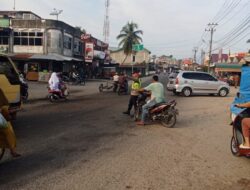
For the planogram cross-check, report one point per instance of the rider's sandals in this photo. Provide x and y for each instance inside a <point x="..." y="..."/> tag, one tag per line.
<point x="244" y="147"/>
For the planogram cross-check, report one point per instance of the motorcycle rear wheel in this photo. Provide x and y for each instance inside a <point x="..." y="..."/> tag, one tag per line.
<point x="2" y="151"/>
<point x="169" y="119"/>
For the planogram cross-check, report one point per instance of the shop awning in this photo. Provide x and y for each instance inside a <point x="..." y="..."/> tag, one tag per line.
<point x="52" y="57"/>
<point x="227" y="67"/>
<point x="55" y="57"/>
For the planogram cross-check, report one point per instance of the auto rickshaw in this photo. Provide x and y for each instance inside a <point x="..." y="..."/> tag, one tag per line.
<point x="7" y="135"/>
<point x="238" y="114"/>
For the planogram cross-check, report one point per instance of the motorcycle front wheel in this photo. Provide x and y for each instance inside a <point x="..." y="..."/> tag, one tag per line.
<point x="234" y="147"/>
<point x="52" y="98"/>
<point x="169" y="119"/>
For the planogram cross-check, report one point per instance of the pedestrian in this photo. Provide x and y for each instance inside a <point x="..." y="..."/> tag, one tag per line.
<point x="136" y="85"/>
<point x="115" y="81"/>
<point x="236" y="80"/>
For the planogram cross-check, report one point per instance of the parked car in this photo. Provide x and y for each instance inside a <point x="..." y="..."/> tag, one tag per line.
<point x="171" y="81"/>
<point x="193" y="82"/>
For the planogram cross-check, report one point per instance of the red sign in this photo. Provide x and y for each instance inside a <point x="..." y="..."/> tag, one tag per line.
<point x="85" y="36"/>
<point x="89" y="52"/>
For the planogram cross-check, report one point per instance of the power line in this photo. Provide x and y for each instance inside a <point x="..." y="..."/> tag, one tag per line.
<point x="244" y="6"/>
<point x="232" y="6"/>
<point x="240" y="28"/>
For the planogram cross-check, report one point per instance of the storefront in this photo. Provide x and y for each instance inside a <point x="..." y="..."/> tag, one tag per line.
<point x="39" y="67"/>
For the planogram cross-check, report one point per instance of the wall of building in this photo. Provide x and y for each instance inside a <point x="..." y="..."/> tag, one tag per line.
<point x="141" y="56"/>
<point x="54" y="41"/>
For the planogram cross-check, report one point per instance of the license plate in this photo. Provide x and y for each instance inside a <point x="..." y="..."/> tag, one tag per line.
<point x="171" y="82"/>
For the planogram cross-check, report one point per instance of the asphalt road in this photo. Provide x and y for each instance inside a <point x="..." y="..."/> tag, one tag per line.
<point x="88" y="144"/>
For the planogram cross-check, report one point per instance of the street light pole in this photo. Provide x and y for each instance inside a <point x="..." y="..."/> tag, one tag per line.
<point x="212" y="30"/>
<point x="56" y="13"/>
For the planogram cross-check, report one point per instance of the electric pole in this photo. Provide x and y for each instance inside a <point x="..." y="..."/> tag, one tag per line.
<point x="14" y="8"/>
<point x="211" y="29"/>
<point x="195" y="52"/>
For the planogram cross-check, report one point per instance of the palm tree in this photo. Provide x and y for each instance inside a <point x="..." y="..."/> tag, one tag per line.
<point x="129" y="36"/>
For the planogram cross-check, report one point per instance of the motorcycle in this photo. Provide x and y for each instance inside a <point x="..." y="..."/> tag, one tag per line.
<point x="24" y="88"/>
<point x="77" y="79"/>
<point x="123" y="88"/>
<point x="55" y="95"/>
<point x="164" y="113"/>
<point x="237" y="137"/>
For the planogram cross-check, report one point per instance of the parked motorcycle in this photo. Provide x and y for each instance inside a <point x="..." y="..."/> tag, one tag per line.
<point x="164" y="113"/>
<point x="77" y="79"/>
<point x="24" y="88"/>
<point x="55" y="95"/>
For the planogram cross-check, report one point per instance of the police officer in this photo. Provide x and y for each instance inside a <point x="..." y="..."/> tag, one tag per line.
<point x="136" y="85"/>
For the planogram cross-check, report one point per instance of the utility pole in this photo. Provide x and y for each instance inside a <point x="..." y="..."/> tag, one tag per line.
<point x="211" y="29"/>
<point x="14" y="8"/>
<point x="195" y="52"/>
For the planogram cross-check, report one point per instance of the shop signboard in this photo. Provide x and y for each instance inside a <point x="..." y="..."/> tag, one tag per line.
<point x="138" y="47"/>
<point x="89" y="52"/>
<point x="4" y="23"/>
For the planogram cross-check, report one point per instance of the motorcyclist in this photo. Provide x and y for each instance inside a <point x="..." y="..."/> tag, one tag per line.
<point x="55" y="83"/>
<point x="116" y="81"/>
<point x="123" y="82"/>
<point x="157" y="96"/>
<point x="136" y="85"/>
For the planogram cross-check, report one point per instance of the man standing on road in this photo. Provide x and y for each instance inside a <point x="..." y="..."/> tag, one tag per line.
<point x="116" y="81"/>
<point x="157" y="96"/>
<point x="136" y="85"/>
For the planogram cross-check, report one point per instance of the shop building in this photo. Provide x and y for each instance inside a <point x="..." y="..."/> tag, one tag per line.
<point x="38" y="45"/>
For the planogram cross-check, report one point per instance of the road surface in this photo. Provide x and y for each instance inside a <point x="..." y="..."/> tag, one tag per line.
<point x="87" y="143"/>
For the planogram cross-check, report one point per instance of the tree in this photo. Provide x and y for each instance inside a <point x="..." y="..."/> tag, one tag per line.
<point x="129" y="36"/>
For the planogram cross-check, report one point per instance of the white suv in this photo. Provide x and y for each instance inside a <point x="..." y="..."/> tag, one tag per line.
<point x="192" y="82"/>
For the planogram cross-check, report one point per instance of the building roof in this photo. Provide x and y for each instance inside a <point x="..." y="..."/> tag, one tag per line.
<point x="11" y="13"/>
<point x="116" y="49"/>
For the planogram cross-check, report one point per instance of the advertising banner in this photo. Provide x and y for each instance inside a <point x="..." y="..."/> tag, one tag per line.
<point x="89" y="52"/>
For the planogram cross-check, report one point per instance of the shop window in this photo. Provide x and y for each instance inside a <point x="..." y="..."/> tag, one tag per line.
<point x="67" y="43"/>
<point x="17" y="41"/>
<point x="4" y="38"/>
<point x="31" y="41"/>
<point x="24" y="41"/>
<point x="28" y="38"/>
<point x="38" y="42"/>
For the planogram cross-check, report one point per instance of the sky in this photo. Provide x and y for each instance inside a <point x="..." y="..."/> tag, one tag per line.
<point x="171" y="27"/>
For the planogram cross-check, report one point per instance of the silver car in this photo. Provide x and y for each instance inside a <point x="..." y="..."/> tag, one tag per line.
<point x="192" y="82"/>
<point x="171" y="81"/>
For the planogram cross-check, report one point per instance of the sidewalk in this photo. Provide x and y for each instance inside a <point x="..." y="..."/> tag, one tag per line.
<point x="39" y="91"/>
